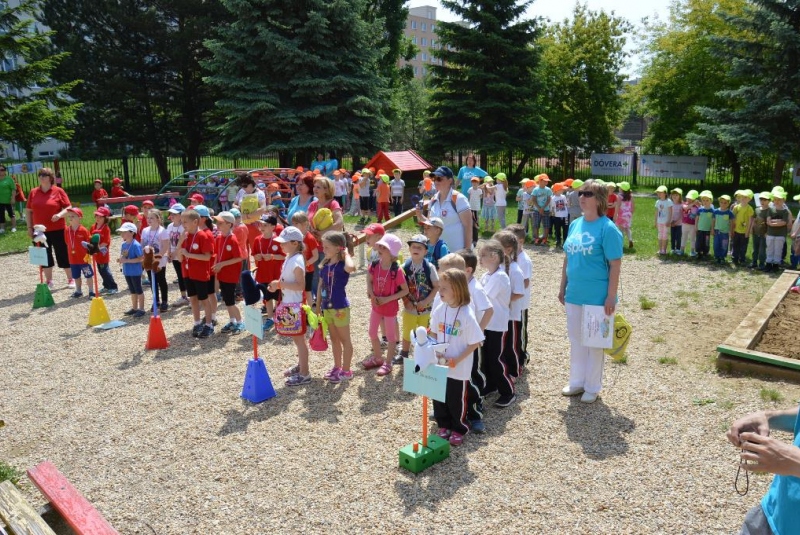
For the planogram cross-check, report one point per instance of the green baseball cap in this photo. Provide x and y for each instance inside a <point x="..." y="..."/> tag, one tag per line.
<point x="577" y="184"/>
<point x="692" y="195"/>
<point x="707" y="194"/>
<point x="661" y="189"/>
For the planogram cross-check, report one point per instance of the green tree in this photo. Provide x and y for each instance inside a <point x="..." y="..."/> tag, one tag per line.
<point x="581" y="65"/>
<point x="299" y="77"/>
<point x="32" y="108"/>
<point x="761" y="114"/>
<point x="488" y="95"/>
<point x="681" y="74"/>
<point x="140" y="60"/>
<point x="409" y="117"/>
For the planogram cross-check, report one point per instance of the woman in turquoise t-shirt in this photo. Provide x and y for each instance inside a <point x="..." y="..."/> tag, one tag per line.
<point x="590" y="276"/>
<point x="465" y="174"/>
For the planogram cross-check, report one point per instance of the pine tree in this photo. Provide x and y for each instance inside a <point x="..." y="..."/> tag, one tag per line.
<point x="488" y="96"/>
<point x="298" y="77"/>
<point x="32" y="108"/>
<point x="762" y="114"/>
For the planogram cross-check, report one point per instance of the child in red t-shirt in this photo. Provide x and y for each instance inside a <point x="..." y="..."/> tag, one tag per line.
<point x="100" y="227"/>
<point x="131" y="214"/>
<point x="116" y="188"/>
<point x="268" y="256"/>
<point x="98" y="193"/>
<point x="75" y="234"/>
<point x="227" y="268"/>
<point x="195" y="250"/>
<point x="310" y="249"/>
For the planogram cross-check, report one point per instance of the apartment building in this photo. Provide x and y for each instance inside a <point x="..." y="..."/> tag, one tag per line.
<point x="421" y="29"/>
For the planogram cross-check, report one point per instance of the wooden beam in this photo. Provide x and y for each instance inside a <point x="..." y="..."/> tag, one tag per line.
<point x="392" y="223"/>
<point x="775" y="360"/>
<point x="749" y="331"/>
<point x="731" y="364"/>
<point x="18" y="514"/>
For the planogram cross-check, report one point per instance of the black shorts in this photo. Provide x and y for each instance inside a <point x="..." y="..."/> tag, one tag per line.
<point x="134" y="284"/>
<point x="211" y="286"/>
<point x="309" y="280"/>
<point x="197" y="288"/>
<point x="58" y="246"/>
<point x="228" y="291"/>
<point x="272" y="296"/>
<point x="364" y="201"/>
<point x="6" y="209"/>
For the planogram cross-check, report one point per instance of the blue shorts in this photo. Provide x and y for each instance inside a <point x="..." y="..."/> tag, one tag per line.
<point x="134" y="284"/>
<point x="77" y="271"/>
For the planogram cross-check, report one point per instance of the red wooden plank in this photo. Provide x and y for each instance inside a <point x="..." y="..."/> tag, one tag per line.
<point x="136" y="198"/>
<point x="70" y="504"/>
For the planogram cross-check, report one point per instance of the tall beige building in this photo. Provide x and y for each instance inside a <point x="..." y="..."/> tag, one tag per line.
<point x="421" y="29"/>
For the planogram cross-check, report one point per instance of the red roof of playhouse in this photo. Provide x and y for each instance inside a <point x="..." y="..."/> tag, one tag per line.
<point x="405" y="160"/>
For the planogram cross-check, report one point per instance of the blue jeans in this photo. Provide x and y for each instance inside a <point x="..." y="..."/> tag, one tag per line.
<point x="108" y="279"/>
<point x="721" y="240"/>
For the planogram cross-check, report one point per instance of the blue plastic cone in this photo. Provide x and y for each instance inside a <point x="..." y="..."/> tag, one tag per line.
<point x="257" y="384"/>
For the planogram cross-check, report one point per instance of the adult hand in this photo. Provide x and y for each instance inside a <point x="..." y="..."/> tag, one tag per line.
<point x="610" y="305"/>
<point x="756" y="422"/>
<point x="766" y="454"/>
<point x="55" y="218"/>
<point x="561" y="297"/>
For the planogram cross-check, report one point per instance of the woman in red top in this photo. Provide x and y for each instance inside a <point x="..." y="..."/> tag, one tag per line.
<point x="47" y="205"/>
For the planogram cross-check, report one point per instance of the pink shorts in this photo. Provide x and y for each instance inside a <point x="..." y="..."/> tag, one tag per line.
<point x="663" y="231"/>
<point x="389" y="326"/>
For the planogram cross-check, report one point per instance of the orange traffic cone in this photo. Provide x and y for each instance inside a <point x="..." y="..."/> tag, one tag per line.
<point x="156" y="337"/>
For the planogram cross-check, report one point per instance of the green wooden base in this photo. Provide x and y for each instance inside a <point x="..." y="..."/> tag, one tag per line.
<point x="416" y="461"/>
<point x="43" y="298"/>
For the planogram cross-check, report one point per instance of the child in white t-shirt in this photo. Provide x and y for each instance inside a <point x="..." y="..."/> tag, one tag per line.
<point x="559" y="214"/>
<point x="475" y="196"/>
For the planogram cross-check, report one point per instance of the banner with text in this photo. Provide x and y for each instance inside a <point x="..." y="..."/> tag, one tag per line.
<point x="24" y="168"/>
<point x="683" y="167"/>
<point x="612" y="164"/>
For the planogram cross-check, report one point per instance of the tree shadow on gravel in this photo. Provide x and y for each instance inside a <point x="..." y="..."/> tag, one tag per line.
<point x="238" y="420"/>
<point x="319" y="403"/>
<point x="377" y="393"/>
<point x="599" y="429"/>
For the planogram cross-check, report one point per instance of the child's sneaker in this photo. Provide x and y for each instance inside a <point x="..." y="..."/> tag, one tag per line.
<point x="693" y="254"/>
<point x="51" y="285"/>
<point x="91" y="294"/>
<point x="443" y="433"/>
<point x="456" y="439"/>
<point x="372" y="362"/>
<point x="181" y="302"/>
<point x="478" y="426"/>
<point x="197" y="329"/>
<point x="268" y="324"/>
<point x="331" y="373"/>
<point x="138" y="314"/>
<point x="238" y="328"/>
<point x="131" y="312"/>
<point x="345" y="375"/>
<point x="294" y="370"/>
<point x="77" y="294"/>
<point x="71" y="283"/>
<point x="113" y="292"/>
<point x="207" y="331"/>
<point x="385" y="369"/>
<point x="227" y="328"/>
<point x="163" y="307"/>
<point x="103" y="291"/>
<point x="384" y="343"/>
<point x="336" y="378"/>
<point x="297" y="380"/>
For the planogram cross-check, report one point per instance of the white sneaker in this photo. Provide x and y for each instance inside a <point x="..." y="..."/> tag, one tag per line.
<point x="71" y="283"/>
<point x="568" y="391"/>
<point x="2" y="231"/>
<point x="13" y="229"/>
<point x="588" y="398"/>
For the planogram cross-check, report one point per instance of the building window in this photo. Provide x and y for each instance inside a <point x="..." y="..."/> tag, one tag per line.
<point x="424" y="56"/>
<point x="424" y="71"/>
<point x="414" y="39"/>
<point x="424" y="42"/>
<point x="424" y="26"/>
<point x="413" y="25"/>
<point x="433" y="60"/>
<point x="433" y="43"/>
<point x="433" y="27"/>
<point x="416" y="71"/>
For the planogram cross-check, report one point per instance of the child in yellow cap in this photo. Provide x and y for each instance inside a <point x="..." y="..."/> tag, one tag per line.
<point x="704" y="223"/>
<point x="743" y="226"/>
<point x="663" y="218"/>
<point x="759" y="231"/>
<point x="722" y="228"/>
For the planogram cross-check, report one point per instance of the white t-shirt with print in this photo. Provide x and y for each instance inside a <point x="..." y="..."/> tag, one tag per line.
<point x="497" y="286"/>
<point x="288" y="275"/>
<point x="558" y="205"/>
<point x="174" y="233"/>
<point x="475" y="195"/>
<point x="153" y="238"/>
<point x="459" y="328"/>
<point x="663" y="211"/>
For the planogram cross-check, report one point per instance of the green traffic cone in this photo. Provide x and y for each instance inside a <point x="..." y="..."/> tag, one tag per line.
<point x="43" y="297"/>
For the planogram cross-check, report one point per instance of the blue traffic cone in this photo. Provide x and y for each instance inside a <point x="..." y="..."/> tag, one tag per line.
<point x="257" y="384"/>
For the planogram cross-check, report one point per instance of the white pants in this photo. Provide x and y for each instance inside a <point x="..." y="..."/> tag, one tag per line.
<point x="585" y="363"/>
<point x="775" y="249"/>
<point x="688" y="236"/>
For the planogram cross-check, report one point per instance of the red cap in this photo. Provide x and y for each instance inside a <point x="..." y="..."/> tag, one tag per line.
<point x="147" y="203"/>
<point x="98" y="181"/>
<point x="116" y="180"/>
<point x="197" y="197"/>
<point x="76" y="211"/>
<point x="375" y="228"/>
<point x="103" y="212"/>
<point x="131" y="209"/>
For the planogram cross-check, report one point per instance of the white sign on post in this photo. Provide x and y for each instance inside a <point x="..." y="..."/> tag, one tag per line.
<point x="683" y="167"/>
<point x="612" y="164"/>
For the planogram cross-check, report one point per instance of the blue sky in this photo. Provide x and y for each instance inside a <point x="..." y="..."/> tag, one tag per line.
<point x="558" y="10"/>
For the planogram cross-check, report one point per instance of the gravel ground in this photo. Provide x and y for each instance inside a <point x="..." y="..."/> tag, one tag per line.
<point x="162" y="443"/>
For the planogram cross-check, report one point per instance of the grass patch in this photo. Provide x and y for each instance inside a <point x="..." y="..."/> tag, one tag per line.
<point x="726" y="404"/>
<point x="623" y="359"/>
<point x="9" y="473"/>
<point x="683" y="294"/>
<point x="770" y="394"/>
<point x="702" y="402"/>
<point x="658" y="339"/>
<point x="668" y="361"/>
<point x="646" y="303"/>
<point x="683" y="303"/>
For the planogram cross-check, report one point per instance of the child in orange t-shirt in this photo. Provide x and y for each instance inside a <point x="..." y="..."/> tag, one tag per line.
<point x="98" y="193"/>
<point x="100" y="227"/>
<point x="382" y="194"/>
<point x="116" y="188"/>
<point x="310" y="249"/>
<point x="268" y="256"/>
<point x="75" y="234"/>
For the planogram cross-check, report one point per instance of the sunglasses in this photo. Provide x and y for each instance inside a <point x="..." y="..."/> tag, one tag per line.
<point x="588" y="194"/>
<point x="439" y="178"/>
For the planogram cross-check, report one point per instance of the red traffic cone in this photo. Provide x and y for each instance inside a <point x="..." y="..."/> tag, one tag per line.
<point x="156" y="338"/>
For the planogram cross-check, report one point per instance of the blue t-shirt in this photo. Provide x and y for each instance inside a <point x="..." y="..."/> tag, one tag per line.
<point x="330" y="167"/>
<point x="132" y="250"/>
<point x="442" y="251"/>
<point x="318" y="165"/>
<point x="542" y="196"/>
<point x="334" y="279"/>
<point x="781" y="504"/>
<point x="589" y="246"/>
<point x="295" y="206"/>
<point x="465" y="175"/>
